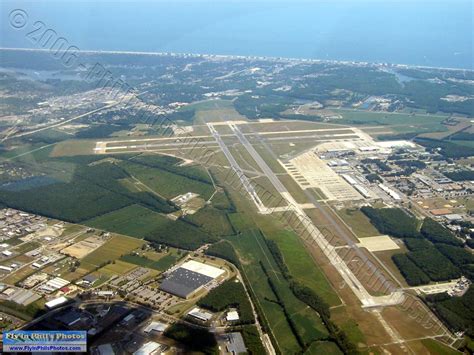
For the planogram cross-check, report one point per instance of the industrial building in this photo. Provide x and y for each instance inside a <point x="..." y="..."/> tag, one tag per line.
<point x="200" y="314"/>
<point x="189" y="278"/>
<point x="235" y="343"/>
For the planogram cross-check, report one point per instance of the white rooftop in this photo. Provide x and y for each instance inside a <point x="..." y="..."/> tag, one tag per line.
<point x="57" y="283"/>
<point x="148" y="348"/>
<point x="232" y="316"/>
<point x="200" y="314"/>
<point x="155" y="326"/>
<point x="396" y="144"/>
<point x="202" y="268"/>
<point x="56" y="302"/>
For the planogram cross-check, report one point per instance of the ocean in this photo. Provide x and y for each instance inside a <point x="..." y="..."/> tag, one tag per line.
<point x="417" y="32"/>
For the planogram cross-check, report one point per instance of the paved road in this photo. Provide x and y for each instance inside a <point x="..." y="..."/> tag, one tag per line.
<point x="63" y="122"/>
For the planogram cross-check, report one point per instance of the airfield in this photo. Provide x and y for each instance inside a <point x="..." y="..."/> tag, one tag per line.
<point x="291" y="148"/>
<point x="287" y="169"/>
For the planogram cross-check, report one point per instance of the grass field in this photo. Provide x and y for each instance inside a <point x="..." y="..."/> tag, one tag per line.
<point x="386" y="258"/>
<point x="161" y="264"/>
<point x="432" y="346"/>
<point x="293" y="188"/>
<point x="302" y="266"/>
<point x="252" y="250"/>
<point x="111" y="250"/>
<point x="269" y="158"/>
<point x="323" y="347"/>
<point x="358" y="222"/>
<point x="391" y="119"/>
<point x="73" y="148"/>
<point x="244" y="159"/>
<point x="289" y="125"/>
<point x="215" y="111"/>
<point x="116" y="268"/>
<point x="19" y="275"/>
<point x="165" y="183"/>
<point x="212" y="220"/>
<point x="267" y="192"/>
<point x="139" y="222"/>
<point x="317" y="193"/>
<point x="26" y="247"/>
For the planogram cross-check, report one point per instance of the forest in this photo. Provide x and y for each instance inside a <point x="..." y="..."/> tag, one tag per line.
<point x="435" y="253"/>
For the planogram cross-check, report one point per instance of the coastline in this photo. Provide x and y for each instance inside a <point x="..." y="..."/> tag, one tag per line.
<point x="240" y="57"/>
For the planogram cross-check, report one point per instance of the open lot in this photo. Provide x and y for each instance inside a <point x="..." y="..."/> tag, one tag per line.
<point x="84" y="247"/>
<point x="115" y="247"/>
<point x="309" y="171"/>
<point x="379" y="243"/>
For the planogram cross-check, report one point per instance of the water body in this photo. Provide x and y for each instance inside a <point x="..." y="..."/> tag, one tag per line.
<point x="415" y="32"/>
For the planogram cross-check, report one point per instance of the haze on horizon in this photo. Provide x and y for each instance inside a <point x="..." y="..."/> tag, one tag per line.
<point x="427" y="33"/>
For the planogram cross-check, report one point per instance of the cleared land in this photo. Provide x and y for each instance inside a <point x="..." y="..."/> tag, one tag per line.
<point x="112" y="249"/>
<point x="84" y="247"/>
<point x="379" y="243"/>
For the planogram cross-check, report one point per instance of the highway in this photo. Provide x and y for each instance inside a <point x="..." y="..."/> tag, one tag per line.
<point x="61" y="123"/>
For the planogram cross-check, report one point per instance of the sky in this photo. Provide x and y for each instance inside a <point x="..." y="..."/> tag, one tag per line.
<point x="423" y="32"/>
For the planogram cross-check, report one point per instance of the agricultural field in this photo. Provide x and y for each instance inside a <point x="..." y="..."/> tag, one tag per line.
<point x="136" y="221"/>
<point x="116" y="268"/>
<point x="160" y="262"/>
<point x="113" y="249"/>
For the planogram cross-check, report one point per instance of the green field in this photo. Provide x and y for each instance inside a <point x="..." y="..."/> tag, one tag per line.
<point x="118" y="267"/>
<point x="165" y="183"/>
<point x="399" y="122"/>
<point x="212" y="220"/>
<point x="135" y="221"/>
<point x="302" y="266"/>
<point x="252" y="250"/>
<point x="323" y="347"/>
<point x="111" y="250"/>
<point x="358" y="222"/>
<point x="436" y="347"/>
<point x="162" y="264"/>
<point x="139" y="222"/>
<point x="269" y="158"/>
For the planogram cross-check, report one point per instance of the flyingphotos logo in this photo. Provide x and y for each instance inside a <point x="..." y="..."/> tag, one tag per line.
<point x="44" y="341"/>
